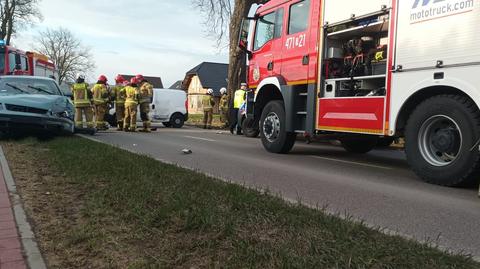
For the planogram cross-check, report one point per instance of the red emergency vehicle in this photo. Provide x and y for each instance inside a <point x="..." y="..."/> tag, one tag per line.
<point x="366" y="71"/>
<point x="17" y="62"/>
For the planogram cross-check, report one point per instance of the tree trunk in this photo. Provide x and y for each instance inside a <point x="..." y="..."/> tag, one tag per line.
<point x="237" y="64"/>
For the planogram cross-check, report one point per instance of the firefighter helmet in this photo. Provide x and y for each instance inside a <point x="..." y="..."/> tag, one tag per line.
<point x="223" y="91"/>
<point x="133" y="81"/>
<point x="103" y="79"/>
<point x="80" y="78"/>
<point x="119" y="79"/>
<point x="140" y="78"/>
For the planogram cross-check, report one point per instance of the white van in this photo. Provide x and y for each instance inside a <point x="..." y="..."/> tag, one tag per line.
<point x="169" y="107"/>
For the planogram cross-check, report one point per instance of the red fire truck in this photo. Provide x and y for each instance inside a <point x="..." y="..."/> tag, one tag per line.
<point x="17" y="62"/>
<point x="364" y="71"/>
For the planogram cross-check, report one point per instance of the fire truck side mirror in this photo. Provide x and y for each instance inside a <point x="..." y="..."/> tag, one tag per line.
<point x="243" y="38"/>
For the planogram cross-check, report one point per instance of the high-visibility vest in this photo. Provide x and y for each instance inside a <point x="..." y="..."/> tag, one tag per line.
<point x="131" y="96"/>
<point x="239" y="98"/>
<point x="80" y="95"/>
<point x="119" y="94"/>
<point x="207" y="102"/>
<point x="145" y="92"/>
<point x="100" y="94"/>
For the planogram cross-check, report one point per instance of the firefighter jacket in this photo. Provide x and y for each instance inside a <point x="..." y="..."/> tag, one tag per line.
<point x="146" y="92"/>
<point x="82" y="97"/>
<point x="131" y="96"/>
<point x="239" y="98"/>
<point x="207" y="102"/>
<point x="100" y="94"/>
<point x="224" y="103"/>
<point x="118" y="94"/>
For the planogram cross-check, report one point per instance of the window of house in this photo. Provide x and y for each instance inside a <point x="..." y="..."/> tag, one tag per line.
<point x="299" y="14"/>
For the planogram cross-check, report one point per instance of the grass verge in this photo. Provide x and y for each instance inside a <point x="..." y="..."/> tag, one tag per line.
<point x="95" y="206"/>
<point x="197" y="120"/>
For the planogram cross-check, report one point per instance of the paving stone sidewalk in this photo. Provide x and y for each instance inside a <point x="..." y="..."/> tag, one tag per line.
<point x="11" y="252"/>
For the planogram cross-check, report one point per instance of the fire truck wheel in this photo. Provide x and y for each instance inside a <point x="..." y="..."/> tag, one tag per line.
<point x="442" y="140"/>
<point x="273" y="132"/>
<point x="249" y="130"/>
<point x="359" y="145"/>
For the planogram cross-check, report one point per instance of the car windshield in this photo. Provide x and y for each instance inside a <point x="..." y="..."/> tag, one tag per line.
<point x="9" y="86"/>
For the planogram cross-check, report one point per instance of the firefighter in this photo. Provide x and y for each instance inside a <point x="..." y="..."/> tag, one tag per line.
<point x="82" y="99"/>
<point x="131" y="106"/>
<point x="208" y="103"/>
<point x="146" y="97"/>
<point x="118" y="95"/>
<point x="239" y="98"/>
<point x="100" y="101"/>
<point x="224" y="107"/>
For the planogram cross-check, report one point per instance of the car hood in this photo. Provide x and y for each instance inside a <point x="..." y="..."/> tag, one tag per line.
<point x="40" y="101"/>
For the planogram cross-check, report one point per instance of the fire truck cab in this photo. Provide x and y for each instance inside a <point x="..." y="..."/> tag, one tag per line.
<point x="17" y="62"/>
<point x="363" y="71"/>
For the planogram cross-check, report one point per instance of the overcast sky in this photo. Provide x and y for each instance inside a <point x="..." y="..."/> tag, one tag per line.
<point x="153" y="37"/>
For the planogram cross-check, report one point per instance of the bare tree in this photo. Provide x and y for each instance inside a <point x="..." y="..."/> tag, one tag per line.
<point x="16" y="14"/>
<point x="222" y="21"/>
<point x="66" y="51"/>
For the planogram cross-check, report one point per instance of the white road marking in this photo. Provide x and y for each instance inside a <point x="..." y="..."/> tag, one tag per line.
<point x="200" y="138"/>
<point x="350" y="162"/>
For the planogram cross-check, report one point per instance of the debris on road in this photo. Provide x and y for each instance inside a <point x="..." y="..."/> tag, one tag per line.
<point x="187" y="151"/>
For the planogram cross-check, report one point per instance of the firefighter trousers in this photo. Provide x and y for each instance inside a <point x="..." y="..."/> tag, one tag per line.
<point x="130" y="120"/>
<point x="224" y="117"/>
<point x="207" y="118"/>
<point x="86" y="112"/>
<point x="144" y="110"/>
<point x="120" y="113"/>
<point x="100" y="111"/>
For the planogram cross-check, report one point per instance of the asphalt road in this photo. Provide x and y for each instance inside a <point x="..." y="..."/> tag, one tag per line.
<point x="377" y="187"/>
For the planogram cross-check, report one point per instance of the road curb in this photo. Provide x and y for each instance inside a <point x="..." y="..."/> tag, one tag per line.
<point x="32" y="252"/>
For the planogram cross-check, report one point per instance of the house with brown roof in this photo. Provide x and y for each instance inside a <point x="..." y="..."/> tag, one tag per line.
<point x="202" y="77"/>
<point x="155" y="81"/>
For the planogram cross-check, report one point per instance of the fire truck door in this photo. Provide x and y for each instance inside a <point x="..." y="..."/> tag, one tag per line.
<point x="296" y="58"/>
<point x="262" y="60"/>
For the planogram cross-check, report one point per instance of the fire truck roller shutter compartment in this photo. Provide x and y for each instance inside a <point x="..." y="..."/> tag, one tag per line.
<point x="339" y="10"/>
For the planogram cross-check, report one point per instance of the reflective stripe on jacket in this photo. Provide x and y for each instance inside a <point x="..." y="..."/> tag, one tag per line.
<point x="100" y="94"/>
<point x="239" y="98"/>
<point x="80" y="95"/>
<point x="224" y="103"/>
<point x="145" y="92"/>
<point x="131" y="95"/>
<point x="207" y="102"/>
<point x="119" y="94"/>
